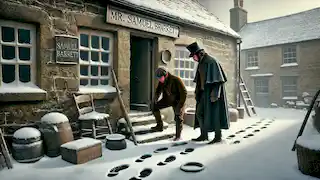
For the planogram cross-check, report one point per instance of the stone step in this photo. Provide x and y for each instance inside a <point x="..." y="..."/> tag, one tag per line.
<point x="133" y="114"/>
<point x="143" y="120"/>
<point x="144" y="129"/>
<point x="156" y="136"/>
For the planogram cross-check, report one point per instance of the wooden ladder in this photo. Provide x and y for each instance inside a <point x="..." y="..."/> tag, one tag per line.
<point x="245" y="96"/>
<point x="4" y="151"/>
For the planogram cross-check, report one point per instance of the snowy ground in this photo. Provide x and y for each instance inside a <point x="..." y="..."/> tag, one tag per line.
<point x="265" y="156"/>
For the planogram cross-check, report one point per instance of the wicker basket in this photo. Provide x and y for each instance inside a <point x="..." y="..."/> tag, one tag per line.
<point x="308" y="161"/>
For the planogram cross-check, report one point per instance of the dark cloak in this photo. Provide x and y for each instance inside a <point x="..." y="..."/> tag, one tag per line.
<point x="216" y="113"/>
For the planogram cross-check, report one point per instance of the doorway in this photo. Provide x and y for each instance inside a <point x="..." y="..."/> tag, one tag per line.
<point x="261" y="86"/>
<point x="141" y="70"/>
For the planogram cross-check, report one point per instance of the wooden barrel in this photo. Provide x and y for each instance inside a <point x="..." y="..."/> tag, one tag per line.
<point x="233" y="114"/>
<point x="27" y="145"/>
<point x="241" y="112"/>
<point x="189" y="116"/>
<point x="56" y="131"/>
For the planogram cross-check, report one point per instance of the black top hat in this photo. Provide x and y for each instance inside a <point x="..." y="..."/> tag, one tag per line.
<point x="193" y="48"/>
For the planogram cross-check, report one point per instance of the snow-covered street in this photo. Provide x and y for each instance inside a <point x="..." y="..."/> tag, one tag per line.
<point x="266" y="155"/>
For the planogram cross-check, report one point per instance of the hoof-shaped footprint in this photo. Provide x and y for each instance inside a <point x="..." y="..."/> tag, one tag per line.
<point x="249" y="127"/>
<point x="179" y="144"/>
<point x="161" y="149"/>
<point x="187" y="151"/>
<point x="143" y="174"/>
<point x="231" y="136"/>
<point x="241" y="131"/>
<point x="167" y="160"/>
<point x="143" y="157"/>
<point x="257" y="130"/>
<point x="264" y="127"/>
<point x="236" y="142"/>
<point x="115" y="171"/>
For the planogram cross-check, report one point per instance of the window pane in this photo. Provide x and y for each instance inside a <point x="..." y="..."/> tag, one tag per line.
<point x="94" y="71"/>
<point x="192" y="65"/>
<point x="187" y="74"/>
<point x="181" y="64"/>
<point x="95" y="42"/>
<point x="192" y="73"/>
<point x="8" y="52"/>
<point x="105" y="43"/>
<point x="84" y="70"/>
<point x="187" y="64"/>
<point x="84" y="40"/>
<point x="7" y="34"/>
<point x="24" y="53"/>
<point x="24" y="36"/>
<point x="177" y="55"/>
<point x="186" y="82"/>
<point x="94" y="56"/>
<point x="105" y="57"/>
<point x="104" y="71"/>
<point x="104" y="82"/>
<point x="8" y="73"/>
<point x="181" y="74"/>
<point x="24" y="73"/>
<point x="176" y="72"/>
<point x="83" y="82"/>
<point x="84" y="55"/>
<point x="94" y="82"/>
<point x="181" y="54"/>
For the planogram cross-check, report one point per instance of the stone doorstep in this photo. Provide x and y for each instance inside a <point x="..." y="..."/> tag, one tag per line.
<point x="155" y="136"/>
<point x="143" y="120"/>
<point x="133" y="114"/>
<point x="144" y="129"/>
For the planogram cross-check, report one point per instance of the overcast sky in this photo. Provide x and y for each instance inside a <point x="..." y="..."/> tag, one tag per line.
<point x="260" y="9"/>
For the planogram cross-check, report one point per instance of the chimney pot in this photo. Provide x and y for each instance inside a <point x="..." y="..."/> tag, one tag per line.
<point x="241" y="3"/>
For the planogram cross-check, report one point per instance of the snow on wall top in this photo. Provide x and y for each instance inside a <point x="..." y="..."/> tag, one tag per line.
<point x="297" y="27"/>
<point x="54" y="118"/>
<point x="26" y="133"/>
<point x="81" y="144"/>
<point x="189" y="11"/>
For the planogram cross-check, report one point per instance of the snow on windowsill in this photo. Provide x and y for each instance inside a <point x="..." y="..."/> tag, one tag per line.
<point x="290" y="98"/>
<point x="252" y="68"/>
<point x="289" y="65"/>
<point x="20" y="88"/>
<point x="261" y="75"/>
<point x="97" y="89"/>
<point x="190" y="89"/>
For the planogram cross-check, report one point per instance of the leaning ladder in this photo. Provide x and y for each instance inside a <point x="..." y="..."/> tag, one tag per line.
<point x="4" y="151"/>
<point x="245" y="96"/>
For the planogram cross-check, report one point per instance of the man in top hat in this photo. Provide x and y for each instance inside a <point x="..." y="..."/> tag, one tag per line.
<point x="211" y="108"/>
<point x="174" y="94"/>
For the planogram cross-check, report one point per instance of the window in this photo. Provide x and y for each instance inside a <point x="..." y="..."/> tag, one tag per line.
<point x="17" y="54"/>
<point x="289" y="86"/>
<point x="252" y="59"/>
<point x="289" y="54"/>
<point x="261" y="86"/>
<point x="95" y="58"/>
<point x="185" y="67"/>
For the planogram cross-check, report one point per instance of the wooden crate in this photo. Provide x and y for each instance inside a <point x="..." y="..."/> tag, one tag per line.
<point x="81" y="151"/>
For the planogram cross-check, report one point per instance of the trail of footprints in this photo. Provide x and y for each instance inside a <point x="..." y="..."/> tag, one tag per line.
<point x="147" y="171"/>
<point x="254" y="128"/>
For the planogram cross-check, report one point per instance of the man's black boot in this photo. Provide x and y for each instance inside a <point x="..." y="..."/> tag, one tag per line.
<point x="201" y="138"/>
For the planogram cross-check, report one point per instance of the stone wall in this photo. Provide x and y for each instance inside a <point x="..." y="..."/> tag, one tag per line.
<point x="65" y="17"/>
<point x="270" y="60"/>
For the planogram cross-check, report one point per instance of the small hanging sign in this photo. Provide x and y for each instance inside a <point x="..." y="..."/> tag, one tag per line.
<point x="67" y="49"/>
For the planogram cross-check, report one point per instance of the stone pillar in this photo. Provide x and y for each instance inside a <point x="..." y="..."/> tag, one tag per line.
<point x="123" y="65"/>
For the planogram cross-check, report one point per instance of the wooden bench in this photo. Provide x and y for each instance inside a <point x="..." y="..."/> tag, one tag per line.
<point x="81" y="151"/>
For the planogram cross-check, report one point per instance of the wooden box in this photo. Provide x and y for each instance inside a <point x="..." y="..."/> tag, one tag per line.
<point x="81" y="151"/>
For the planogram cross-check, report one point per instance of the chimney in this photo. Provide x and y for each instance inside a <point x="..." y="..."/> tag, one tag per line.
<point x="238" y="16"/>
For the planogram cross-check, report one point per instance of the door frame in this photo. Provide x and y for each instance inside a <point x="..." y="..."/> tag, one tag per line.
<point x="153" y="64"/>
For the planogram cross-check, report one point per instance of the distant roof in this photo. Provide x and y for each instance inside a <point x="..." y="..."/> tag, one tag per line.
<point x="297" y="27"/>
<point x="187" y="11"/>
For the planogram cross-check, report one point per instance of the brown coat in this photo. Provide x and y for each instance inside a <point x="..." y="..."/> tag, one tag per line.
<point x="174" y="91"/>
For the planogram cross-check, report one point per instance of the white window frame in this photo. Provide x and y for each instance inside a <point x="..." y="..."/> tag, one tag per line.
<point x="186" y="59"/>
<point x="285" y="80"/>
<point x="17" y="86"/>
<point x="261" y="84"/>
<point x="252" y="59"/>
<point x="99" y="88"/>
<point x="291" y="54"/>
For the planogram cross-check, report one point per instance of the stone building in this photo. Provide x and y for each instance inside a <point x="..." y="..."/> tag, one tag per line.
<point x="54" y="48"/>
<point x="279" y="57"/>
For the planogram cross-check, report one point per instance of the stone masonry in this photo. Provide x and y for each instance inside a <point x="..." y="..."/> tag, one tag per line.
<point x="65" y="17"/>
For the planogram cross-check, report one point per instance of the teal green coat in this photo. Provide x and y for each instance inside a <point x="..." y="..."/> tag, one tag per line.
<point x="216" y="113"/>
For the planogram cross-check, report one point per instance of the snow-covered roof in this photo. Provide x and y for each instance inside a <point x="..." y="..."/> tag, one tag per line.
<point x="293" y="28"/>
<point x="188" y="11"/>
